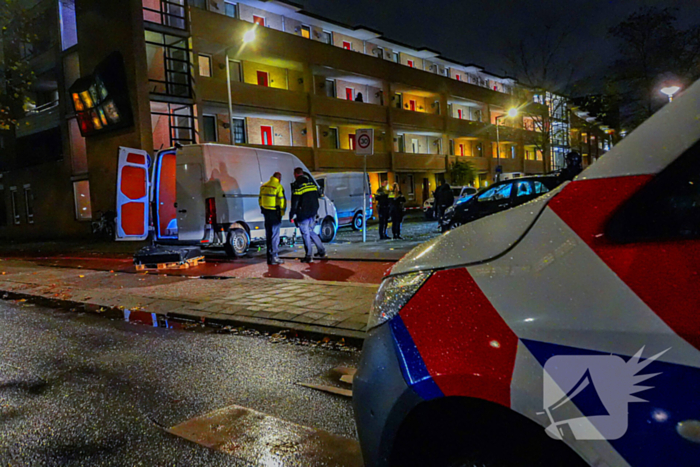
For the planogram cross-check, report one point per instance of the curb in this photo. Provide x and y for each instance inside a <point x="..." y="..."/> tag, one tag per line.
<point x="309" y="331"/>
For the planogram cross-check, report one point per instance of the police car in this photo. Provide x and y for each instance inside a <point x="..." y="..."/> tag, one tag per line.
<point x="563" y="332"/>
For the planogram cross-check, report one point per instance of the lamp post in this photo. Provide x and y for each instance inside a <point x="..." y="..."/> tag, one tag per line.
<point x="512" y="113"/>
<point x="248" y="37"/>
<point x="670" y="91"/>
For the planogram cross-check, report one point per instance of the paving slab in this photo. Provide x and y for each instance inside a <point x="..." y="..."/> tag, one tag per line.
<point x="333" y="308"/>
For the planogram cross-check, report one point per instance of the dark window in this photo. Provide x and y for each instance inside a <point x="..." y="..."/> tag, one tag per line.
<point x="3" y="209"/>
<point x="172" y="123"/>
<point x="199" y="4"/>
<point x="667" y="208"/>
<point x="39" y="148"/>
<point x="29" y="204"/>
<point x="15" y="206"/>
<point x="209" y="129"/>
<point x="238" y="131"/>
<point x="168" y="65"/>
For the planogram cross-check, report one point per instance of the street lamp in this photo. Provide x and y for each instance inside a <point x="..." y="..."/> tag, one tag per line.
<point x="670" y="91"/>
<point x="248" y="37"/>
<point x="512" y="113"/>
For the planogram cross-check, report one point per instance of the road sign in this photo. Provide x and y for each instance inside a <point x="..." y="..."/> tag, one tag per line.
<point x="365" y="142"/>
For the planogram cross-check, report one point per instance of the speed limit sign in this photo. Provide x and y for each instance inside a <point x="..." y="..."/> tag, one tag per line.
<point x="365" y="142"/>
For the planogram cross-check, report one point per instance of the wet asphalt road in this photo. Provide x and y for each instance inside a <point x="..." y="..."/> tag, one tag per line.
<point x="81" y="390"/>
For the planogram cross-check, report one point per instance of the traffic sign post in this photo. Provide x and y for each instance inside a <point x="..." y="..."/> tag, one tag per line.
<point x="364" y="147"/>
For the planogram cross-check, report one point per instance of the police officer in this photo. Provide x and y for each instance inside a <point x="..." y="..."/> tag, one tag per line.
<point x="273" y="204"/>
<point x="384" y="208"/>
<point x="304" y="210"/>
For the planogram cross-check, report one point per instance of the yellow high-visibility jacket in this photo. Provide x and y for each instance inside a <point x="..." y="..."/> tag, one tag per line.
<point x="272" y="196"/>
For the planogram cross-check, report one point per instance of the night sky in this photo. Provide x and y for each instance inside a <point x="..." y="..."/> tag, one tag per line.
<point x="472" y="31"/>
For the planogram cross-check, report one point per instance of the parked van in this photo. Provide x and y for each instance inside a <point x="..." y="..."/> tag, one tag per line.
<point x="207" y="195"/>
<point x="345" y="190"/>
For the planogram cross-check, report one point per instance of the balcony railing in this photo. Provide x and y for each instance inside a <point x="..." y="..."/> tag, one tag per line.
<point x="171" y="13"/>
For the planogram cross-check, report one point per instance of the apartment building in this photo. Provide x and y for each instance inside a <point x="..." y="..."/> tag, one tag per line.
<point x="255" y="73"/>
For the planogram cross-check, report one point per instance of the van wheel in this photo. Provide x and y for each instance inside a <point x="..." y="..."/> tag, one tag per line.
<point x="327" y="230"/>
<point x="237" y="243"/>
<point x="358" y="221"/>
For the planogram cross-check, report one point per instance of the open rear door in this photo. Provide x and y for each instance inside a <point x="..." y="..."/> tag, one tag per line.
<point x="132" y="195"/>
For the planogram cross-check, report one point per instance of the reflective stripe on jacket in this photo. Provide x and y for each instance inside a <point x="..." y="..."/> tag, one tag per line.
<point x="272" y="196"/>
<point x="305" y="197"/>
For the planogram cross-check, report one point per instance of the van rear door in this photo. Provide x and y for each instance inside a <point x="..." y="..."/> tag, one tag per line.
<point x="132" y="195"/>
<point x="191" y="208"/>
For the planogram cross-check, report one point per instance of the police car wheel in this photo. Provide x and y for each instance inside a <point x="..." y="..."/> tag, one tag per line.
<point x="327" y="230"/>
<point x="237" y="243"/>
<point x="357" y="221"/>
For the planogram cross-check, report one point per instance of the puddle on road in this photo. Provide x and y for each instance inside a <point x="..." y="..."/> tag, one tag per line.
<point x="263" y="440"/>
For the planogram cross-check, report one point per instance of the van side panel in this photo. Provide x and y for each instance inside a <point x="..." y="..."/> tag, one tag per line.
<point x="232" y="177"/>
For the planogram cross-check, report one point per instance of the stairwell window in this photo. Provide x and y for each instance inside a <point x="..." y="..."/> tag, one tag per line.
<point x="29" y="204"/>
<point x="205" y="69"/>
<point x="81" y="196"/>
<point x="16" y="219"/>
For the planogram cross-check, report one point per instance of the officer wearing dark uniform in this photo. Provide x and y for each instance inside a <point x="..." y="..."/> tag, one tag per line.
<point x="304" y="210"/>
<point x="383" y="208"/>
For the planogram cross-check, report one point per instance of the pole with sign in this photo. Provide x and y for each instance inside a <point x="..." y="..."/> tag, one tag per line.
<point x="364" y="147"/>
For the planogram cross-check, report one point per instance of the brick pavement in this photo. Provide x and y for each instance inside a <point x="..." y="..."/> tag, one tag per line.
<point x="332" y="308"/>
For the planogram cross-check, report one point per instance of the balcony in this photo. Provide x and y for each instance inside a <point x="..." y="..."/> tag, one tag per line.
<point x="534" y="167"/>
<point x="251" y="95"/>
<point x="467" y="127"/>
<point x="422" y="120"/>
<point x="480" y="164"/>
<point x="39" y="119"/>
<point x="165" y="12"/>
<point x="303" y="153"/>
<point x="341" y="108"/>
<point x="339" y="159"/>
<point x="419" y="162"/>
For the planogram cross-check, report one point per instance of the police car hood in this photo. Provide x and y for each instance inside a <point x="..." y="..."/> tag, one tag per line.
<point x="475" y="242"/>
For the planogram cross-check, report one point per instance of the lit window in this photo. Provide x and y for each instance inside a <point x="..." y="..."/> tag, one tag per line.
<point x="205" y="66"/>
<point x="81" y="194"/>
<point x="69" y="30"/>
<point x="306" y="32"/>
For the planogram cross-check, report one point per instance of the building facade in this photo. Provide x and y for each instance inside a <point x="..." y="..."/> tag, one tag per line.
<point x="254" y="73"/>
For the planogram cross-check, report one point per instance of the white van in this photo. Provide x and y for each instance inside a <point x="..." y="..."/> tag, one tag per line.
<point x="345" y="190"/>
<point x="207" y="195"/>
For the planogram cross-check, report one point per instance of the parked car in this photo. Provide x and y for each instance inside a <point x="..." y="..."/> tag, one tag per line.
<point x="496" y="198"/>
<point x="460" y="192"/>
<point x="207" y="195"/>
<point x="345" y="190"/>
<point x="564" y="332"/>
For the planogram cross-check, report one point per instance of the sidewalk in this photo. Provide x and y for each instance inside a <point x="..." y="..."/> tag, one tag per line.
<point x="330" y="308"/>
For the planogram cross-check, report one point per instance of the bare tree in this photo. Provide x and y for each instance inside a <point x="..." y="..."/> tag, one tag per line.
<point x="16" y="75"/>
<point x="652" y="50"/>
<point x="540" y="63"/>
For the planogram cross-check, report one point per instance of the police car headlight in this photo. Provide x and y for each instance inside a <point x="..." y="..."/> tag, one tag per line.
<point x="393" y="295"/>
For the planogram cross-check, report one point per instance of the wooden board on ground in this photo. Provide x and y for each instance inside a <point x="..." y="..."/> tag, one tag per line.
<point x="261" y="439"/>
